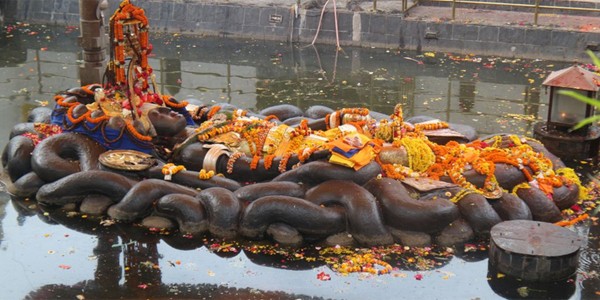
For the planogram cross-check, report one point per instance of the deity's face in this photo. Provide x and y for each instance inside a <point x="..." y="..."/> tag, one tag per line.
<point x="166" y="121"/>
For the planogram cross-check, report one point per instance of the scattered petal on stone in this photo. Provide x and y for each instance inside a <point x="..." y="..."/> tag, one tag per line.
<point x="523" y="291"/>
<point x="418" y="276"/>
<point x="64" y="267"/>
<point x="107" y="222"/>
<point x="470" y="248"/>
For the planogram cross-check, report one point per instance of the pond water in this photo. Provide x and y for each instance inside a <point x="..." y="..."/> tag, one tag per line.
<point x="47" y="255"/>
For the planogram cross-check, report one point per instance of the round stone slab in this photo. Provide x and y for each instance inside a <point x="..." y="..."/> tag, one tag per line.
<point x="535" y="238"/>
<point x="533" y="250"/>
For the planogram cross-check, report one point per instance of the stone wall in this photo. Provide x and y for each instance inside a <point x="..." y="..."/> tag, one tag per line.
<point x="355" y="28"/>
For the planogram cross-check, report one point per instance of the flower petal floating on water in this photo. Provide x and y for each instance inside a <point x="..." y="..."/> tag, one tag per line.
<point x="323" y="276"/>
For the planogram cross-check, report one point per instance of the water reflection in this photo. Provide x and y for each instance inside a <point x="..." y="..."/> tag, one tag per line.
<point x="487" y="93"/>
<point x="170" y="71"/>
<point x="129" y="263"/>
<point x="466" y="96"/>
<point x="513" y="288"/>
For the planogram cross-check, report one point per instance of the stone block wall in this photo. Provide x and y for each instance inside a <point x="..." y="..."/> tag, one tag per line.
<point x="362" y="29"/>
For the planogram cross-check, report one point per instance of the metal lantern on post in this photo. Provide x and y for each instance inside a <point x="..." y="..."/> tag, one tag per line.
<point x="564" y="112"/>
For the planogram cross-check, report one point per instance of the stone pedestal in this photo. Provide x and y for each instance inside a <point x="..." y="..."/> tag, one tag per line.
<point x="569" y="145"/>
<point x="534" y="251"/>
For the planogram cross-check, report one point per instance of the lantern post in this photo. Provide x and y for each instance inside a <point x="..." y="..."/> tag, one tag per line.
<point x="93" y="41"/>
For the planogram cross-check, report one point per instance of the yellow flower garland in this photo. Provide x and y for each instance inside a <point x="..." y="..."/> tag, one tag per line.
<point x="205" y="175"/>
<point x="171" y="169"/>
<point x="420" y="156"/>
<point x="570" y="175"/>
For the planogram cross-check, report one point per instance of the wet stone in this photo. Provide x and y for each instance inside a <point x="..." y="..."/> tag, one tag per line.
<point x="343" y="239"/>
<point x="411" y="238"/>
<point x="285" y="234"/>
<point x="158" y="222"/>
<point x="458" y="232"/>
<point x="95" y="205"/>
<point x="70" y="207"/>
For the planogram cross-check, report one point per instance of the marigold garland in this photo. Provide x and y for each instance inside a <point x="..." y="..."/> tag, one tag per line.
<point x="96" y="120"/>
<point x="271" y="117"/>
<point x="305" y="153"/>
<point x="573" y="221"/>
<point x="420" y="156"/>
<point x="522" y="185"/>
<point x="208" y="133"/>
<point x="169" y="101"/>
<point x="453" y="158"/>
<point x="302" y="129"/>
<point x="234" y="156"/>
<point x="384" y="131"/>
<point x="355" y="111"/>
<point x="570" y="175"/>
<point x="213" y="111"/>
<point x="431" y="126"/>
<point x="327" y="126"/>
<point x="254" y="163"/>
<point x="205" y="175"/>
<point x="136" y="134"/>
<point x="461" y="194"/>
<point x="89" y="89"/>
<point x="78" y="119"/>
<point x="283" y="162"/>
<point x="171" y="169"/>
<point x="268" y="161"/>
<point x="390" y="171"/>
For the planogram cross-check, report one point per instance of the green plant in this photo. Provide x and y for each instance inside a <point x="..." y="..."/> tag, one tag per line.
<point x="588" y="100"/>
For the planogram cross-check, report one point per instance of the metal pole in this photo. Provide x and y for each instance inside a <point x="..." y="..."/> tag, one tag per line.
<point x="453" y="9"/>
<point x="537" y="11"/>
<point x="374" y="5"/>
<point x="92" y="40"/>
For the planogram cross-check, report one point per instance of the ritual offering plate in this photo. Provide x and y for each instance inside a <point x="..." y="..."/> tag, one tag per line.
<point x="129" y="160"/>
<point x="426" y="184"/>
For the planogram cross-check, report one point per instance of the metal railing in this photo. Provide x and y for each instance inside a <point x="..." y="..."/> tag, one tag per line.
<point x="403" y="8"/>
<point x="536" y="7"/>
<point x="404" y="5"/>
